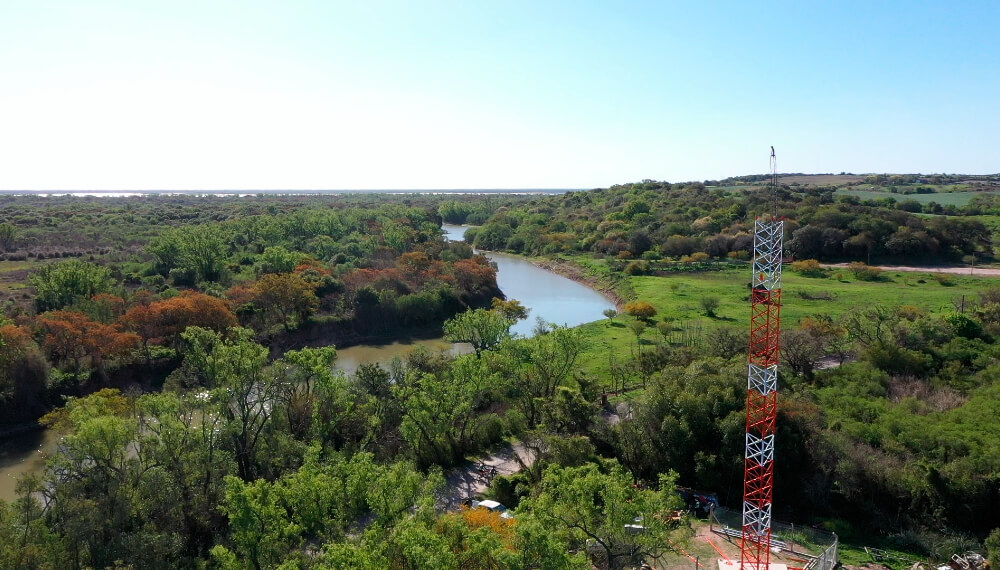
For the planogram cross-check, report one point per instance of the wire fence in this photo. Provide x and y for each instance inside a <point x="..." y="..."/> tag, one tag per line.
<point x="819" y="547"/>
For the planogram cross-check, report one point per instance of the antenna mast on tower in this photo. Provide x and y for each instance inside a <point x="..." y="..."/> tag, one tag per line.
<point x="762" y="385"/>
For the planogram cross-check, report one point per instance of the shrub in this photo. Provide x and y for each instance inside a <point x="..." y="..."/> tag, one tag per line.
<point x="709" y="303"/>
<point x="640" y="309"/>
<point x="943" y="279"/>
<point x="637" y="268"/>
<point x="808" y="268"/>
<point x="695" y="257"/>
<point x="864" y="272"/>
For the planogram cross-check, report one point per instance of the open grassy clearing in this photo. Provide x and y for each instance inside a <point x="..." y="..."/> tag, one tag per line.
<point x="678" y="297"/>
<point x="821" y="179"/>
<point x="943" y="198"/>
<point x="14" y="274"/>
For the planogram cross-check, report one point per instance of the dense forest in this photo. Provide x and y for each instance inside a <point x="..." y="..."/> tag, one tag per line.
<point x="184" y="348"/>
<point x="652" y="221"/>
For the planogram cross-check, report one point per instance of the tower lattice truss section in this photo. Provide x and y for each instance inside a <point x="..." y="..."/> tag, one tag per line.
<point x="762" y="386"/>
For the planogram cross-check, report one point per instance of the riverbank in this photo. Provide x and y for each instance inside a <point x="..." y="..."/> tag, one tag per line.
<point x="616" y="291"/>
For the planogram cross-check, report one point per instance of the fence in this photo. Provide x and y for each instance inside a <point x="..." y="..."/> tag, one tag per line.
<point x="819" y="547"/>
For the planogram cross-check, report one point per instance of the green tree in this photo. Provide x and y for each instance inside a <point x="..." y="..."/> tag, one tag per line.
<point x="441" y="412"/>
<point x="492" y="236"/>
<point x="26" y="540"/>
<point x="259" y="527"/>
<point x="8" y="234"/>
<point x="992" y="545"/>
<point x="513" y="310"/>
<point x="236" y="369"/>
<point x="277" y="259"/>
<point x="610" y="314"/>
<point x="600" y="505"/>
<point x="637" y="327"/>
<point x="483" y="329"/>
<point x="62" y="284"/>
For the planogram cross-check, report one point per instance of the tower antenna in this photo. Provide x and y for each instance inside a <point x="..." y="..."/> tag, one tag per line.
<point x="762" y="386"/>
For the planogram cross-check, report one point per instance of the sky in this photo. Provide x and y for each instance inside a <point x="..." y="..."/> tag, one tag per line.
<point x="103" y="95"/>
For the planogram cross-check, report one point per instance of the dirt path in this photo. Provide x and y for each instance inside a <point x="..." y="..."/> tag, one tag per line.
<point x="950" y="269"/>
<point x="467" y="482"/>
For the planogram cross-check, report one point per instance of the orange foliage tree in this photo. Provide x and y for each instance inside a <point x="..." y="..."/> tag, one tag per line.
<point x="72" y="337"/>
<point x="164" y="321"/>
<point x="286" y="295"/>
<point x="474" y="273"/>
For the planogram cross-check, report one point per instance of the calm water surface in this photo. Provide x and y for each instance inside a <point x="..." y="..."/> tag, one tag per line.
<point x="547" y="295"/>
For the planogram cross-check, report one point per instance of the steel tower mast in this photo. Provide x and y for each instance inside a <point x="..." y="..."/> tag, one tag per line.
<point x="762" y="385"/>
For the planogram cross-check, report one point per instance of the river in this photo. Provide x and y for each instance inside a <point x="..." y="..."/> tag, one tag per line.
<point x="545" y="294"/>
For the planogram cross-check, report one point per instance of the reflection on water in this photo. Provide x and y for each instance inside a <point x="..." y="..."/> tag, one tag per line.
<point x="348" y="359"/>
<point x="21" y="454"/>
<point x="548" y="295"/>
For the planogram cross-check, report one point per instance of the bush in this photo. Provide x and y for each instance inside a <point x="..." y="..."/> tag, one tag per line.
<point x="695" y="257"/>
<point x="508" y="490"/>
<point x="709" y="303"/>
<point x="808" y="268"/>
<point x="864" y="272"/>
<point x="637" y="268"/>
<point x="943" y="279"/>
<point x="640" y="309"/>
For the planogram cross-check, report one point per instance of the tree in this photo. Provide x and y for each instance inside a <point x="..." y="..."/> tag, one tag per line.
<point x="493" y="236"/>
<point x="72" y="336"/>
<point x="640" y="309"/>
<point x="235" y="369"/>
<point x="259" y="526"/>
<point x="481" y="328"/>
<point x="15" y="341"/>
<point x="441" y="411"/>
<point x="637" y="327"/>
<point x="512" y="310"/>
<point x="600" y="504"/>
<point x="992" y="545"/>
<point x="164" y="321"/>
<point x="62" y="284"/>
<point x="286" y="295"/>
<point x="8" y="234"/>
<point x="277" y="259"/>
<point x="610" y="314"/>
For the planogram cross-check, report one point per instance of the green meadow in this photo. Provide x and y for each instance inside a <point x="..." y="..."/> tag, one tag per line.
<point x="678" y="298"/>
<point x="943" y="198"/>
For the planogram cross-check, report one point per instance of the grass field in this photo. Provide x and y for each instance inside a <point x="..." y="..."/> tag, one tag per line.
<point x="821" y="179"/>
<point x="678" y="297"/>
<point x="14" y="274"/>
<point x="943" y="198"/>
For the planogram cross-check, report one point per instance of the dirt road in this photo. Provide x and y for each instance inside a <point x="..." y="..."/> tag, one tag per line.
<point x="467" y="482"/>
<point x="950" y="269"/>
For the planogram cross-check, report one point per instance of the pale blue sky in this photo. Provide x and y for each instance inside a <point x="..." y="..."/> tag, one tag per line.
<point x="304" y="95"/>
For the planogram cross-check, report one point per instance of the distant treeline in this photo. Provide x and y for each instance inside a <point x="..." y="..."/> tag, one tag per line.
<point x="654" y="220"/>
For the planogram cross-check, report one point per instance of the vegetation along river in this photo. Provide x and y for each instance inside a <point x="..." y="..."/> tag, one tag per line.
<point x="552" y="297"/>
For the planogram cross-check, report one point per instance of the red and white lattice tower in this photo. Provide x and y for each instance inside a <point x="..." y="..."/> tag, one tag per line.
<point x="762" y="387"/>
